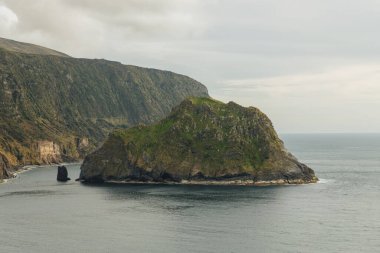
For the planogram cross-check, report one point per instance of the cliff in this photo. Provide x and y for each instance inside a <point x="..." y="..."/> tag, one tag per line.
<point x="4" y="167"/>
<point x="57" y="108"/>
<point x="201" y="141"/>
<point x="7" y="164"/>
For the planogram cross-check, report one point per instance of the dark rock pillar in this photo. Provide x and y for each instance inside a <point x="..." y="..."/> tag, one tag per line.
<point x="62" y="174"/>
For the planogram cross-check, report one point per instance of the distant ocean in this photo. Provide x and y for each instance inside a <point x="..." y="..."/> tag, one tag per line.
<point x="341" y="213"/>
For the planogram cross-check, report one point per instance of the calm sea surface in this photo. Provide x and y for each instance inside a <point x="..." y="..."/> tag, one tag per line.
<point x="339" y="214"/>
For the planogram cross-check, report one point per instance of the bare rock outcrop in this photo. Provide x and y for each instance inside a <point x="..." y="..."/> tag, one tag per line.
<point x="62" y="174"/>
<point x="4" y="167"/>
<point x="49" y="152"/>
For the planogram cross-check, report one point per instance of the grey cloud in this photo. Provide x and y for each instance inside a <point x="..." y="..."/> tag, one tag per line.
<point x="216" y="41"/>
<point x="141" y="17"/>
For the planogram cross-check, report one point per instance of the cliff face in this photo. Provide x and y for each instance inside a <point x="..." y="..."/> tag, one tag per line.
<point x="4" y="167"/>
<point x="202" y="140"/>
<point x="49" y="152"/>
<point x="58" y="108"/>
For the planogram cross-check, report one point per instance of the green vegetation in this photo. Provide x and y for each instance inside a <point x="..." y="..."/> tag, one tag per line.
<point x="201" y="138"/>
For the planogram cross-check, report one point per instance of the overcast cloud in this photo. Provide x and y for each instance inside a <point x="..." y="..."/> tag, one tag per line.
<point x="312" y="66"/>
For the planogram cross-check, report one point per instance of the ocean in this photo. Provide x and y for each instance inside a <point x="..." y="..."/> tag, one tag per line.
<point x="341" y="213"/>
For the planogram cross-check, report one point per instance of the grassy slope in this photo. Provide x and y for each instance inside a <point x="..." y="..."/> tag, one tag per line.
<point x="27" y="48"/>
<point x="202" y="133"/>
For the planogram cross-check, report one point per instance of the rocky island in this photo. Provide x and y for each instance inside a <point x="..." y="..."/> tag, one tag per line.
<point x="202" y="141"/>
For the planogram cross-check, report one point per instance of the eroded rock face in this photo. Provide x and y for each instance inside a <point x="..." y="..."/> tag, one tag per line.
<point x="82" y="143"/>
<point x="202" y="140"/>
<point x="49" y="152"/>
<point x="4" y="167"/>
<point x="62" y="174"/>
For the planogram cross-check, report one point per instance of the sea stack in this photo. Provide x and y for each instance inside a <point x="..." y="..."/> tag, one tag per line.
<point x="62" y="175"/>
<point x="203" y="141"/>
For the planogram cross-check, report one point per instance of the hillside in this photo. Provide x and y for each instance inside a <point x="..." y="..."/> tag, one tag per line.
<point x="55" y="108"/>
<point x="201" y="141"/>
<point x="26" y="48"/>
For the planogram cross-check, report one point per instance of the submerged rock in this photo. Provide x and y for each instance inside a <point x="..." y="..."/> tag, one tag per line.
<point x="201" y="141"/>
<point x="62" y="174"/>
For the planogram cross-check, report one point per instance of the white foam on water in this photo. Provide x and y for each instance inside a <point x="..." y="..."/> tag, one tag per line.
<point x="325" y="181"/>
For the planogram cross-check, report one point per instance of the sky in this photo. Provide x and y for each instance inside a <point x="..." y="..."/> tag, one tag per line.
<point x="313" y="66"/>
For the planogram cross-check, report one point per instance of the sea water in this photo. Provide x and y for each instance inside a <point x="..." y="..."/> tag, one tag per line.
<point x="341" y="213"/>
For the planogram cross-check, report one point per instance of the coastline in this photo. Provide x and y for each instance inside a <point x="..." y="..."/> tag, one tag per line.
<point x="277" y="182"/>
<point x="238" y="182"/>
<point x="26" y="168"/>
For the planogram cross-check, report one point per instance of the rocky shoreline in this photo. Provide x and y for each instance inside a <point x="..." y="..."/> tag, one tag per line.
<point x="15" y="174"/>
<point x="27" y="168"/>
<point x="237" y="182"/>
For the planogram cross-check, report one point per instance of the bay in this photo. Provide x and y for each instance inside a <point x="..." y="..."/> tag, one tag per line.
<point x="341" y="213"/>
